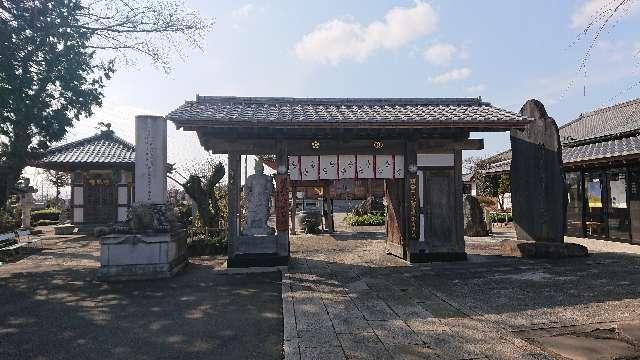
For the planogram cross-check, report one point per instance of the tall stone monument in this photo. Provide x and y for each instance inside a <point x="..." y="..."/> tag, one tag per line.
<point x="257" y="193"/>
<point x="538" y="192"/>
<point x="150" y="244"/>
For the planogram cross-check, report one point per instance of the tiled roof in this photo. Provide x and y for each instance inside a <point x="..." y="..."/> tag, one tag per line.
<point x="104" y="148"/>
<point x="608" y="122"/>
<point x="499" y="167"/>
<point x="342" y="112"/>
<point x="628" y="146"/>
<point x="600" y="134"/>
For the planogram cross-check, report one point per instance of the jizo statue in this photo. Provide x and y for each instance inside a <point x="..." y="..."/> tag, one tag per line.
<point x="257" y="194"/>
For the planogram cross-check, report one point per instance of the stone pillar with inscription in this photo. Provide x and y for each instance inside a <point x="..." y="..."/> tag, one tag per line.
<point x="151" y="244"/>
<point x="538" y="191"/>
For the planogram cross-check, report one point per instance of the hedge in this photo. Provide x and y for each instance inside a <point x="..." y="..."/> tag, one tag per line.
<point x="367" y="220"/>
<point x="46" y="222"/>
<point x="46" y="214"/>
<point x="500" y="217"/>
<point x="203" y="246"/>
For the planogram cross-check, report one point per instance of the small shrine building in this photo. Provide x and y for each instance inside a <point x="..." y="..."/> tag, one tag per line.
<point x="102" y="177"/>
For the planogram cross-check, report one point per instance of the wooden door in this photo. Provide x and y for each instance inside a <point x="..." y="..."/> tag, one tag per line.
<point x="396" y="243"/>
<point x="440" y="209"/>
<point x="99" y="202"/>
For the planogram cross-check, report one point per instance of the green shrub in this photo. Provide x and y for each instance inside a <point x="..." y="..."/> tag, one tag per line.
<point x="366" y="220"/>
<point x="45" y="214"/>
<point x="500" y="217"/>
<point x="203" y="246"/>
<point x="46" y="222"/>
<point x="9" y="220"/>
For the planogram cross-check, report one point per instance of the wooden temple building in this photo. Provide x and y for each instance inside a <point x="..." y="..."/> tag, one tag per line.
<point x="601" y="160"/>
<point x="415" y="145"/>
<point x="102" y="177"/>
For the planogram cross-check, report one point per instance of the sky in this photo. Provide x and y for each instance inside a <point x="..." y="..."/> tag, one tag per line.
<point x="504" y="51"/>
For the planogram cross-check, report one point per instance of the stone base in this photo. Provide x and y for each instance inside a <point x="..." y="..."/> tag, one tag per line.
<point x="140" y="272"/>
<point x="542" y="250"/>
<point x="257" y="260"/>
<point x="438" y="256"/>
<point x="140" y="257"/>
<point x="257" y="251"/>
<point x="66" y="229"/>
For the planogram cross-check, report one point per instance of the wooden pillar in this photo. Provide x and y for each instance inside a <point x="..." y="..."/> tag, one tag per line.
<point x="282" y="189"/>
<point x="459" y="211"/>
<point x="332" y="226"/>
<point x="412" y="202"/>
<point x="292" y="228"/>
<point x="233" y="204"/>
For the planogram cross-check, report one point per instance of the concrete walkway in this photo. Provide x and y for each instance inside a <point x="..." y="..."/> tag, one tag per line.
<point x="345" y="298"/>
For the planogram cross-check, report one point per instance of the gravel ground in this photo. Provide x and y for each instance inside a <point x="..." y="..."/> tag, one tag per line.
<point x="53" y="308"/>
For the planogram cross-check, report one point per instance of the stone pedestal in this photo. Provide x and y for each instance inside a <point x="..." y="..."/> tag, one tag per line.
<point x="542" y="250"/>
<point x="265" y="250"/>
<point x="137" y="257"/>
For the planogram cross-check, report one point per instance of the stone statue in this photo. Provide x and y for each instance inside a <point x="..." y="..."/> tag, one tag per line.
<point x="257" y="194"/>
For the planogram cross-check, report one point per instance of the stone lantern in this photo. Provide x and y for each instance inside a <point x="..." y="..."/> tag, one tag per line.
<point x="26" y="201"/>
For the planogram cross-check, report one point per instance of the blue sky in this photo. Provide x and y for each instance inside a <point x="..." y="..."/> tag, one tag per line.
<point x="503" y="50"/>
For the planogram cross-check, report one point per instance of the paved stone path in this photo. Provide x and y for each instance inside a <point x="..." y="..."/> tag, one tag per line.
<point x="346" y="299"/>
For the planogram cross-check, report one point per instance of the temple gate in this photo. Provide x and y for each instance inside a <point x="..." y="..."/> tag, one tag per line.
<point x="414" y="144"/>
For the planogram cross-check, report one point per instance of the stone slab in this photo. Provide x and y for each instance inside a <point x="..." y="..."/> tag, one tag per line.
<point x="395" y="332"/>
<point x="315" y="353"/>
<point x="363" y="346"/>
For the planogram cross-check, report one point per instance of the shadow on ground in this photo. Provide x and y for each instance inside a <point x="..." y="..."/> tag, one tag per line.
<point x="66" y="314"/>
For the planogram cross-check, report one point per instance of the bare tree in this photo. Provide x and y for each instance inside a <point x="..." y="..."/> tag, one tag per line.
<point x="605" y="19"/>
<point x="200" y="184"/>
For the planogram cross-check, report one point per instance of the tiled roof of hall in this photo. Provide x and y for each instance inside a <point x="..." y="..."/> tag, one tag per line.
<point x="231" y="111"/>
<point x="617" y="121"/>
<point x="103" y="149"/>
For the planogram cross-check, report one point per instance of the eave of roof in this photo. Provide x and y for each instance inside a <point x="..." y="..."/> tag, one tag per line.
<point x="102" y="150"/>
<point x="239" y="112"/>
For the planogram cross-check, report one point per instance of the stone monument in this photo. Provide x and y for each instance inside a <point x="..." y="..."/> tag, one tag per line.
<point x="474" y="220"/>
<point x="538" y="192"/>
<point x="150" y="244"/>
<point x="257" y="194"/>
<point x="26" y="201"/>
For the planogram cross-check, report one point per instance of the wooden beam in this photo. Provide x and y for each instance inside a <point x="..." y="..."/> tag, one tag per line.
<point x="473" y="144"/>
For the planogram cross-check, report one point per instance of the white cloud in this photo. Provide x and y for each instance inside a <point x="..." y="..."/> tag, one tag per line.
<point x="593" y="10"/>
<point x="440" y="53"/>
<point x="337" y="39"/>
<point x="453" y="75"/>
<point x="476" y="88"/>
<point x="244" y="11"/>
<point x="636" y="49"/>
